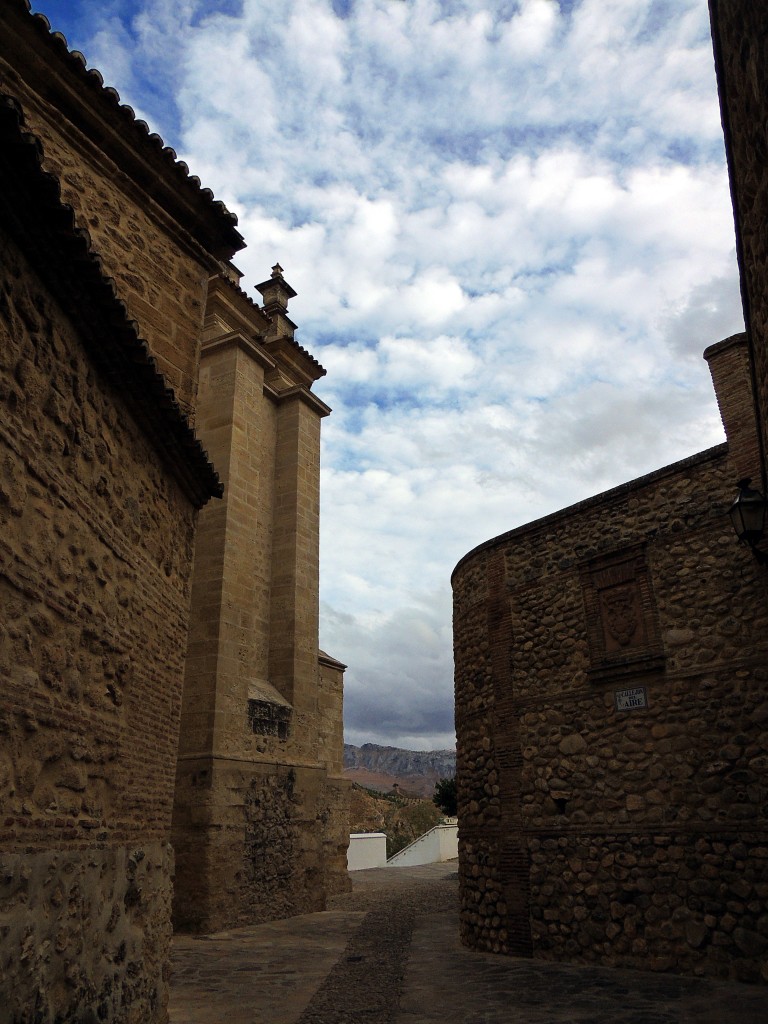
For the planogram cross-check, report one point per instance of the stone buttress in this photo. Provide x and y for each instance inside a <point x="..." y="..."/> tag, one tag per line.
<point x="260" y="820"/>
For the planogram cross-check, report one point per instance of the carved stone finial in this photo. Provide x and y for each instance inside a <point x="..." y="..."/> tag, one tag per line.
<point x="275" y="291"/>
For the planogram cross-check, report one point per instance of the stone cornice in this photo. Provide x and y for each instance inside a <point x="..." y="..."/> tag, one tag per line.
<point x="326" y="659"/>
<point x="227" y="301"/>
<point x="246" y="345"/>
<point x="301" y="393"/>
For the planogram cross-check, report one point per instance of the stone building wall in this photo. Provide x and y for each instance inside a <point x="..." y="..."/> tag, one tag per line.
<point x="632" y="837"/>
<point x="261" y="815"/>
<point x="612" y="724"/>
<point x="335" y="800"/>
<point x="740" y="37"/>
<point x="96" y="541"/>
<point x="158" y="235"/>
<point x="261" y="807"/>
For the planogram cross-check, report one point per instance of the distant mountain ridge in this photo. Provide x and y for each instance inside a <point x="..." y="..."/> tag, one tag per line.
<point x="414" y="770"/>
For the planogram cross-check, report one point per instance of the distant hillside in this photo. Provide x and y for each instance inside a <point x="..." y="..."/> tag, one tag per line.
<point x="402" y="820"/>
<point x="414" y="771"/>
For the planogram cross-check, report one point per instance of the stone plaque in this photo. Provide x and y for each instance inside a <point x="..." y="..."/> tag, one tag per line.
<point x="620" y="614"/>
<point x="631" y="700"/>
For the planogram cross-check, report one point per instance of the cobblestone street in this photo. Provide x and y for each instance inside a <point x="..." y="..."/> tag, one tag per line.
<point x="388" y="953"/>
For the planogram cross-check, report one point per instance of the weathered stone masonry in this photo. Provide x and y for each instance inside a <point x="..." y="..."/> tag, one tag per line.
<point x="261" y="812"/>
<point x="629" y="837"/>
<point x="96" y="531"/>
<point x="115" y="277"/>
<point x="158" y="235"/>
<point x="740" y="37"/>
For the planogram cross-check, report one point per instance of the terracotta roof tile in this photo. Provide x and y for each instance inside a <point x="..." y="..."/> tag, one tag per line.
<point x="144" y="137"/>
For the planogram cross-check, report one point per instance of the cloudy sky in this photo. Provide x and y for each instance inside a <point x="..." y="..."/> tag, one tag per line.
<point x="509" y="226"/>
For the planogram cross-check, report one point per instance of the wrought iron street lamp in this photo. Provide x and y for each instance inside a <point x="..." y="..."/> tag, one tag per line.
<point x="748" y="517"/>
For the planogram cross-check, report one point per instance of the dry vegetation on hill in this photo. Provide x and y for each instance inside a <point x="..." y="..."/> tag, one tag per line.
<point x="402" y="818"/>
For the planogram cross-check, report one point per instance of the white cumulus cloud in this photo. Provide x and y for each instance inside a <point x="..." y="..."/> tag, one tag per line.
<point x="509" y="225"/>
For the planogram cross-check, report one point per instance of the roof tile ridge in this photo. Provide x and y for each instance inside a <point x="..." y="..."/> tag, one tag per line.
<point x="308" y="354"/>
<point x="93" y="77"/>
<point x="244" y="294"/>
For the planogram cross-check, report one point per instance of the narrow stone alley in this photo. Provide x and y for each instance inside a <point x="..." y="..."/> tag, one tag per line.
<point x="388" y="953"/>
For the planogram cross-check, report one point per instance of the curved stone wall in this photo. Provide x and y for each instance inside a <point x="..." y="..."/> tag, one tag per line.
<point x="612" y="725"/>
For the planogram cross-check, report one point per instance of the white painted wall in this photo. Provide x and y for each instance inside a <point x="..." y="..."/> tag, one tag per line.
<point x="366" y="850"/>
<point x="439" y="844"/>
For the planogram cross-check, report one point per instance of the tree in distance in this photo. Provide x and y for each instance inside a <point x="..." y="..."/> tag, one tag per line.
<point x="445" y="796"/>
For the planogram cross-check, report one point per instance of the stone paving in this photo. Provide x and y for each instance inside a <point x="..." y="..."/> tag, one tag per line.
<point x="388" y="953"/>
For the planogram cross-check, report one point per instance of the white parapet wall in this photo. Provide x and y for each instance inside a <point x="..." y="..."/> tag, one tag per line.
<point x="366" y="850"/>
<point x="439" y="844"/>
